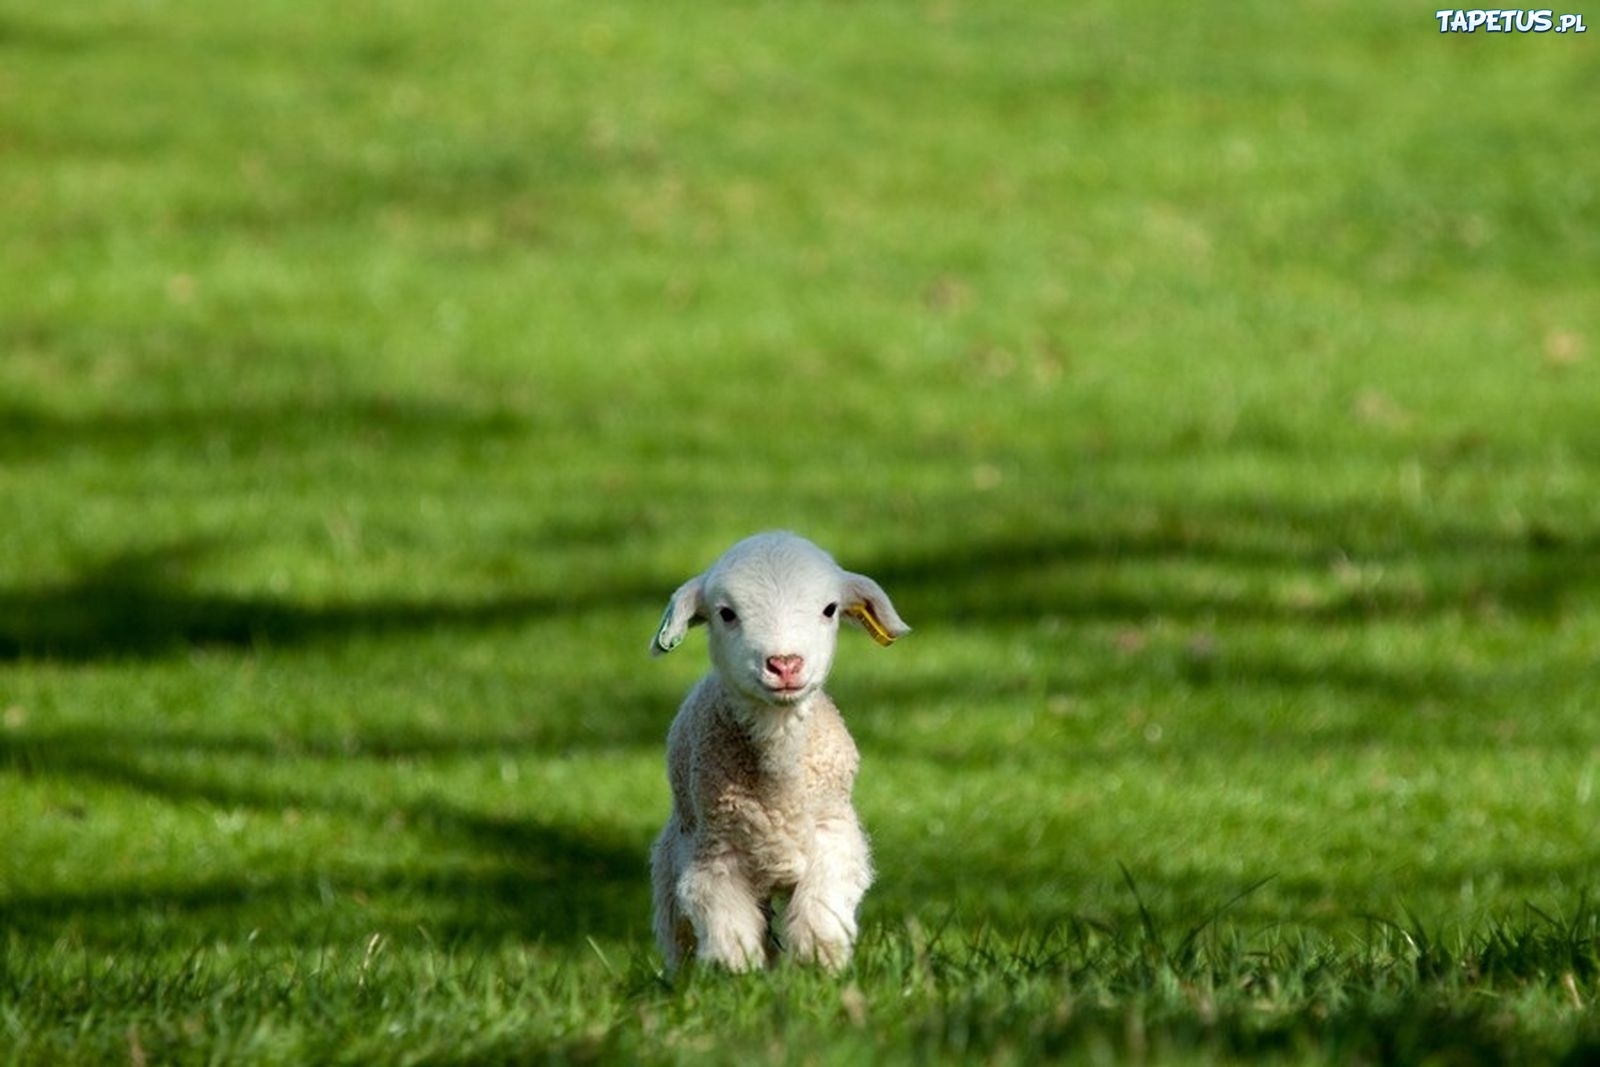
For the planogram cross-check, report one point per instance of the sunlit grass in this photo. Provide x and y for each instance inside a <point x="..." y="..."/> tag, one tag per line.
<point x="1217" y="401"/>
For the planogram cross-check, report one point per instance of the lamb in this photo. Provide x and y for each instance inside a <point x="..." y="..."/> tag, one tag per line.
<point x="760" y="763"/>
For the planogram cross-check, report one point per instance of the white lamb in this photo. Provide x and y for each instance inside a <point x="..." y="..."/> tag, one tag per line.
<point x="760" y="763"/>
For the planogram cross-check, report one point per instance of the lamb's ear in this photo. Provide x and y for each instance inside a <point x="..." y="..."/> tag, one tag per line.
<point x="869" y="607"/>
<point x="684" y="610"/>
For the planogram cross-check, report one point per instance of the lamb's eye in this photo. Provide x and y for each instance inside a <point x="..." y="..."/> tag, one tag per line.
<point x="830" y="611"/>
<point x="727" y="615"/>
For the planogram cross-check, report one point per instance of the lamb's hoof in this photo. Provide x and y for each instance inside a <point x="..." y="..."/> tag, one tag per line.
<point x="737" y="957"/>
<point x="807" y="948"/>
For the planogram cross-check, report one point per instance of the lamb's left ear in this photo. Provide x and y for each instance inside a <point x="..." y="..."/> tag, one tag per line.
<point x="684" y="610"/>
<point x="869" y="607"/>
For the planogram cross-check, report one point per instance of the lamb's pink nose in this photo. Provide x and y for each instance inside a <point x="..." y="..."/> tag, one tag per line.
<point x="786" y="668"/>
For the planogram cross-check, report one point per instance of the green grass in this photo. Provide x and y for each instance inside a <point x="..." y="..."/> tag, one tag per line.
<point x="1218" y="398"/>
<point x="1103" y="993"/>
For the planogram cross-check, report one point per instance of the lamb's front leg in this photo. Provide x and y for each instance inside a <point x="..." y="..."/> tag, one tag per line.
<point x="669" y="857"/>
<point x="730" y="925"/>
<point x="820" y="921"/>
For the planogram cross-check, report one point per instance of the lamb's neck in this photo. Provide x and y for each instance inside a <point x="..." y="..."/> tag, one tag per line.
<point x="778" y="733"/>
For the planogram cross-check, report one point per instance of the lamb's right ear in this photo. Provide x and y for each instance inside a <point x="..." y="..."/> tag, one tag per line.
<point x="684" y="610"/>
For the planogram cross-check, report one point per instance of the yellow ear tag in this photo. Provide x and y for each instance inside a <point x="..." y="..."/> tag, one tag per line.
<point x="864" y="615"/>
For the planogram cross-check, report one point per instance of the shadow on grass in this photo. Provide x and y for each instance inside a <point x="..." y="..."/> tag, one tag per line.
<point x="537" y="879"/>
<point x="563" y="890"/>
<point x="1016" y="891"/>
<point x="138" y="604"/>
<point x="484" y="877"/>
<point x="142" y="603"/>
<point x="1030" y="576"/>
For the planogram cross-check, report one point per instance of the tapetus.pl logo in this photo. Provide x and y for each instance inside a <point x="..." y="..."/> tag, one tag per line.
<point x="1512" y="21"/>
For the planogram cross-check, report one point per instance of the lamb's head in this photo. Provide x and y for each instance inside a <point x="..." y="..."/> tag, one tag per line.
<point x="773" y="603"/>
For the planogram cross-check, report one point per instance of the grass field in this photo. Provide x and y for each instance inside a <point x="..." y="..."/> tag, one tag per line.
<point x="1219" y="398"/>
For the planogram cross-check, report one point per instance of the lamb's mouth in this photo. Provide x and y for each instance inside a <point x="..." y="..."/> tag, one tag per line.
<point x="785" y="694"/>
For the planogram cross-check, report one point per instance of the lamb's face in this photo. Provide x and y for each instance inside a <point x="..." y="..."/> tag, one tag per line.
<point x="773" y="603"/>
<point x="773" y="612"/>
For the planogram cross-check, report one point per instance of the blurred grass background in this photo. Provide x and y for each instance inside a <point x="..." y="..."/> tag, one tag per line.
<point x="1216" y="393"/>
